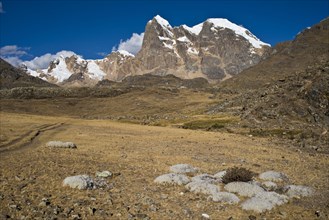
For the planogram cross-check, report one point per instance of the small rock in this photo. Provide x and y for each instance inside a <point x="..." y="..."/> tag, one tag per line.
<point x="80" y="182"/>
<point x="220" y="175"/>
<point x="203" y="187"/>
<point x="60" y="144"/>
<point x="205" y="216"/>
<point x="91" y="210"/>
<point x="243" y="189"/>
<point x="252" y="217"/>
<point x="104" y="174"/>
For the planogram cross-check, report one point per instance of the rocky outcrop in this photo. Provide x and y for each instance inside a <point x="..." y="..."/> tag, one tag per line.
<point x="215" y="49"/>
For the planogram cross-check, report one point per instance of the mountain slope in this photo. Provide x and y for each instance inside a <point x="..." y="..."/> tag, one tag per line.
<point x="286" y="95"/>
<point x="11" y="77"/>
<point x="309" y="47"/>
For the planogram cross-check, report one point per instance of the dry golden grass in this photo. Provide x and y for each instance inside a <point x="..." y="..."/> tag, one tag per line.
<point x="137" y="155"/>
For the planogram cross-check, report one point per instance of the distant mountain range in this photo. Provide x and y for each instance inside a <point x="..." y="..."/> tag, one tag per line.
<point x="216" y="49"/>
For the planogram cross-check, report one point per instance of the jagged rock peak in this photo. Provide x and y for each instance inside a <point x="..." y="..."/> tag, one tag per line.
<point x="160" y="20"/>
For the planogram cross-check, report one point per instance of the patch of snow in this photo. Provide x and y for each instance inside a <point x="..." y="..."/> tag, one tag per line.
<point x="172" y="178"/>
<point x="183" y="168"/>
<point x="195" y="29"/>
<point x="225" y="197"/>
<point x="60" y="72"/>
<point x="126" y="53"/>
<point x="273" y="176"/>
<point x="94" y="71"/>
<point x="243" y="189"/>
<point x="224" y="23"/>
<point x="184" y="39"/>
<point x="168" y="46"/>
<point x="203" y="187"/>
<point x="163" y="22"/>
<point x="164" y="38"/>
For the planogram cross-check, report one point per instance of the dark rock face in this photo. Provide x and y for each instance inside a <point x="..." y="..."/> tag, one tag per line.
<point x="214" y="53"/>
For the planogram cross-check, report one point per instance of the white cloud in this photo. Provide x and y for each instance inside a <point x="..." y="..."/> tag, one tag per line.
<point x="132" y="45"/>
<point x="13" y="50"/>
<point x="43" y="61"/>
<point x="12" y="54"/>
<point x="15" y="61"/>
<point x="1" y="8"/>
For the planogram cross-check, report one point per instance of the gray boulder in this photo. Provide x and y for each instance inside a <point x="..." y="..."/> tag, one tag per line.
<point x="298" y="191"/>
<point x="205" y="178"/>
<point x="263" y="201"/>
<point x="273" y="176"/>
<point x="224" y="197"/>
<point x="172" y="178"/>
<point x="203" y="187"/>
<point x="243" y="189"/>
<point x="79" y="182"/>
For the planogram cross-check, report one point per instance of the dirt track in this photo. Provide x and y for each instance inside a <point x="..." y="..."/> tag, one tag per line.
<point x="137" y="155"/>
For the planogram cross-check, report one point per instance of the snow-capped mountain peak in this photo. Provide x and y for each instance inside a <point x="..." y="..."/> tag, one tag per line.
<point x="163" y="22"/>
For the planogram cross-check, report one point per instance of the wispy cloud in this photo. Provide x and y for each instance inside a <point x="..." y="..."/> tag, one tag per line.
<point x="1" y="8"/>
<point x="13" y="50"/>
<point x="12" y="54"/>
<point x="103" y="54"/>
<point x="132" y="45"/>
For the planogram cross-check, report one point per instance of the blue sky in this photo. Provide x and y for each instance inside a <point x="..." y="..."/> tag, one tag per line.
<point x="93" y="27"/>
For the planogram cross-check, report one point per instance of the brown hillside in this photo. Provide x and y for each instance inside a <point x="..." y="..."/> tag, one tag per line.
<point x="11" y="77"/>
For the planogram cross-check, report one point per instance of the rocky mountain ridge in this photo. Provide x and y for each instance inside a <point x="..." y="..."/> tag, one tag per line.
<point x="215" y="50"/>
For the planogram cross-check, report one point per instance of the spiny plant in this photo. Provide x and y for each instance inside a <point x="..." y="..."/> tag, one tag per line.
<point x="238" y="174"/>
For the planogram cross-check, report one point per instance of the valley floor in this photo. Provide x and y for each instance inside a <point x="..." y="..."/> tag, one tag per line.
<point x="32" y="173"/>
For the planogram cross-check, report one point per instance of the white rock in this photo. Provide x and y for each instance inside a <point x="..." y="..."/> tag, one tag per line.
<point x="225" y="197"/>
<point x="264" y="201"/>
<point x="298" y="191"/>
<point x="206" y="216"/>
<point x="269" y="186"/>
<point x="273" y="176"/>
<point x="243" y="189"/>
<point x="205" y="178"/>
<point x="203" y="187"/>
<point x="183" y="168"/>
<point x="80" y="182"/>
<point x="104" y="174"/>
<point x="60" y="144"/>
<point x="172" y="178"/>
<point x="220" y="175"/>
